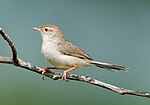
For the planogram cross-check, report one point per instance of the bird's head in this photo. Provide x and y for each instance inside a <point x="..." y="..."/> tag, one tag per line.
<point x="49" y="31"/>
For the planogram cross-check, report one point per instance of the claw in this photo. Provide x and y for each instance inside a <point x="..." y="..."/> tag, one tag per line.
<point x="64" y="76"/>
<point x="45" y="70"/>
<point x="43" y="73"/>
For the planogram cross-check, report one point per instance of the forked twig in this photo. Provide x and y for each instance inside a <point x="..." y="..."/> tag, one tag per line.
<point x="57" y="75"/>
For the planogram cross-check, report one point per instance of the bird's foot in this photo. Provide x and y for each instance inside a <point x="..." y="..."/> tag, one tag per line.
<point x="64" y="76"/>
<point x="66" y="72"/>
<point x="45" y="70"/>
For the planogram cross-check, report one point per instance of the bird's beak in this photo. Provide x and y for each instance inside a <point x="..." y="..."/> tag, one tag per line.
<point x="35" y="28"/>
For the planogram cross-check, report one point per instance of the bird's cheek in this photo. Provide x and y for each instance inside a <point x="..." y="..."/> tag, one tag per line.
<point x="52" y="34"/>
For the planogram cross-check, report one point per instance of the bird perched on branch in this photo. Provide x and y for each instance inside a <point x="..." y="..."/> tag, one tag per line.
<point x="64" y="55"/>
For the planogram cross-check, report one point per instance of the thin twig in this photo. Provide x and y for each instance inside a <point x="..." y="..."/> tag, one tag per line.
<point x="57" y="75"/>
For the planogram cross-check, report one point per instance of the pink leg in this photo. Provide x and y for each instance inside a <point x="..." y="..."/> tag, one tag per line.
<point x="66" y="72"/>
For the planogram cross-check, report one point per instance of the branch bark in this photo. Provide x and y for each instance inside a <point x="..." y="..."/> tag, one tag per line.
<point x="57" y="75"/>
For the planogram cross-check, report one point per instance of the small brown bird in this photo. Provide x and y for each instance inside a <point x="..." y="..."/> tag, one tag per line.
<point x="64" y="55"/>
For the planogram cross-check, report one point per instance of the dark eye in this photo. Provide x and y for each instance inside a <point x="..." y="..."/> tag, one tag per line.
<point x="46" y="29"/>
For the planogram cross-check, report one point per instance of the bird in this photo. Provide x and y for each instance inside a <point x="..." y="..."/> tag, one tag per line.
<point x="64" y="55"/>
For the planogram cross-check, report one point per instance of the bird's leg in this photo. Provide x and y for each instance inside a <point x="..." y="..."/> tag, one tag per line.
<point x="66" y="72"/>
<point x="46" y="70"/>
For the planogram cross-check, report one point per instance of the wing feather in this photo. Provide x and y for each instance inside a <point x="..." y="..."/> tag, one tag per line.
<point x="68" y="48"/>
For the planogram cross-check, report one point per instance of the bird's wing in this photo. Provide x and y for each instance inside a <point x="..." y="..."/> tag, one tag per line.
<point x="68" y="48"/>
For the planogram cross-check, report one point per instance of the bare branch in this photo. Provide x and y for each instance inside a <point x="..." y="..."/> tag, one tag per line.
<point x="57" y="75"/>
<point x="11" y="44"/>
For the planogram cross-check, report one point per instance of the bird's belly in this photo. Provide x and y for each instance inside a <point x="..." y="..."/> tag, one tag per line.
<point x="64" y="61"/>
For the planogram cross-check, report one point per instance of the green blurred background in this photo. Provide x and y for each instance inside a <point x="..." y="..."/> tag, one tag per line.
<point x="116" y="31"/>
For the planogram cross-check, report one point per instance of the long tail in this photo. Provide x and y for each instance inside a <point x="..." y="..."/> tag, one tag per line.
<point x="109" y="66"/>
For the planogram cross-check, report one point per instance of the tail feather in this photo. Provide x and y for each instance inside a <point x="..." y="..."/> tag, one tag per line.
<point x="109" y="66"/>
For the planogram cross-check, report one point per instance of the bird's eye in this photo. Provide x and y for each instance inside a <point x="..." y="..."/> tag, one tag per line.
<point x="46" y="29"/>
